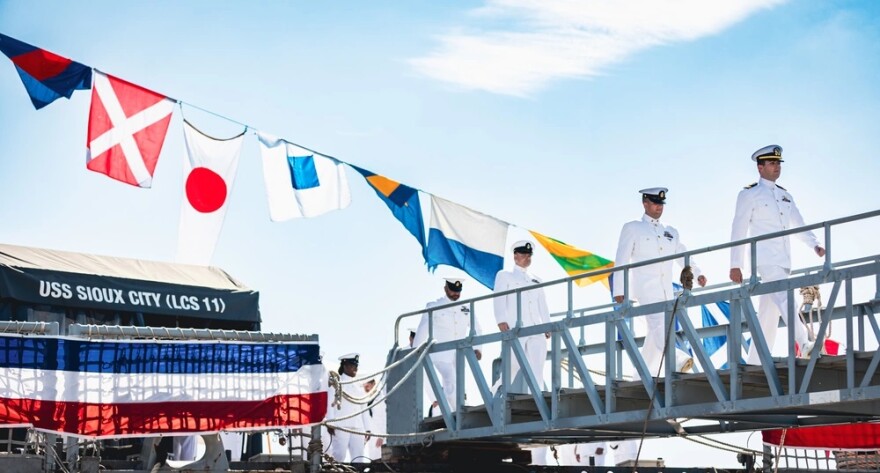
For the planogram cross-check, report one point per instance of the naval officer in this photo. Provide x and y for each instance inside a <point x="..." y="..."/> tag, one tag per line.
<point x="342" y="442"/>
<point x="647" y="239"/>
<point x="451" y="323"/>
<point x="534" y="312"/>
<point x="761" y="208"/>
<point x="378" y="421"/>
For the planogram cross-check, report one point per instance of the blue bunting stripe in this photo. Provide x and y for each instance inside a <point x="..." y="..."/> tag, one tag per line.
<point x="127" y="357"/>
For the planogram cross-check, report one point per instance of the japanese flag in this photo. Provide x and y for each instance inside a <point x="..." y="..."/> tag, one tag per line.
<point x="209" y="168"/>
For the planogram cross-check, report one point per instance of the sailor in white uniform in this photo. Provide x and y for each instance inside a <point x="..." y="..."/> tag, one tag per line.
<point x="534" y="312"/>
<point x="451" y="323"/>
<point x="345" y="443"/>
<point x="647" y="239"/>
<point x="378" y="422"/>
<point x="761" y="208"/>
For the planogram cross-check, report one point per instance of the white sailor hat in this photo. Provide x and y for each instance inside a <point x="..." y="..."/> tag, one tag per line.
<point x="353" y="358"/>
<point x="656" y="195"/>
<point x="454" y="284"/>
<point x="522" y="246"/>
<point x="768" y="152"/>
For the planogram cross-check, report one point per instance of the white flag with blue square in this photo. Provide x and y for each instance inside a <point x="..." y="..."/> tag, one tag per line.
<point x="300" y="183"/>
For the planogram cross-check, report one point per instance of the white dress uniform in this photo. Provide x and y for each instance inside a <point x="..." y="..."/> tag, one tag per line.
<point x="642" y="240"/>
<point x="344" y="443"/>
<point x="377" y="415"/>
<point x="452" y="323"/>
<point x="534" y="312"/>
<point x="762" y="208"/>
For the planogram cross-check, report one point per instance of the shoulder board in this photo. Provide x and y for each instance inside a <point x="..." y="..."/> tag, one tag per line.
<point x="783" y="188"/>
<point x="750" y="185"/>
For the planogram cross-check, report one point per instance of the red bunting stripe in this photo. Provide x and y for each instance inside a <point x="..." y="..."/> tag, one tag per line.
<point x="157" y="418"/>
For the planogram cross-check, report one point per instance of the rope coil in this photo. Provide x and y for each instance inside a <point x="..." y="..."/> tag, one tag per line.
<point x="811" y="305"/>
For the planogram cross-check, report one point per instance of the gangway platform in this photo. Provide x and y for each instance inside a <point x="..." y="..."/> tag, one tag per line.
<point x="690" y="391"/>
<point x="730" y="396"/>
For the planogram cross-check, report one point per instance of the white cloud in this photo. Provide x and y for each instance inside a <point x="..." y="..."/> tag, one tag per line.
<point x="552" y="39"/>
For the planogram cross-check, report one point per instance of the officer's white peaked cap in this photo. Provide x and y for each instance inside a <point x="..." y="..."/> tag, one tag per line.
<point x="522" y="246"/>
<point x="454" y="284"/>
<point x="350" y="358"/>
<point x="655" y="194"/>
<point x="768" y="152"/>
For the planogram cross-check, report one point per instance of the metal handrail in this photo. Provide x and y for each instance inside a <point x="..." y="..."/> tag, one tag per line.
<point x="625" y="268"/>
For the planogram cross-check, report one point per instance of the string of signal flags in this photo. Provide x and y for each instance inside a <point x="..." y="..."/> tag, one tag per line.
<point x="127" y="127"/>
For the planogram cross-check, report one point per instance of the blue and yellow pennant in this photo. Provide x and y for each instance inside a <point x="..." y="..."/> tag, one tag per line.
<point x="402" y="200"/>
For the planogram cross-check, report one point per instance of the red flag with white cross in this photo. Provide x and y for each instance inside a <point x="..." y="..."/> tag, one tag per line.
<point x="127" y="127"/>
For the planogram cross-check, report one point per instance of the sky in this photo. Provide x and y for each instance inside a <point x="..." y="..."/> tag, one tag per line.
<point x="550" y="115"/>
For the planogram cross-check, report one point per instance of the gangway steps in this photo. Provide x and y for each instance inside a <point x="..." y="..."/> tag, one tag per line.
<point x="693" y="389"/>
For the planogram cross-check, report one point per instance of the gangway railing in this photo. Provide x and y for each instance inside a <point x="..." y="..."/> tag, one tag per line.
<point x="780" y="392"/>
<point x="720" y="330"/>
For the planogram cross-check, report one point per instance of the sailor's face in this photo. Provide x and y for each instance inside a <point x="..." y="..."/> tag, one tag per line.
<point x="350" y="369"/>
<point x="523" y="260"/>
<point x="770" y="170"/>
<point x="452" y="295"/>
<point x="653" y="210"/>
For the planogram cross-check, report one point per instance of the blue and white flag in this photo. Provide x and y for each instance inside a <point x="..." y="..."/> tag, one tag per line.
<point x="716" y="347"/>
<point x="466" y="239"/>
<point x="300" y="183"/>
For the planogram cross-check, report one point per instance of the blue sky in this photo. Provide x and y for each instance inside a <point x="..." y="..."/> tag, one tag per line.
<point x="546" y="114"/>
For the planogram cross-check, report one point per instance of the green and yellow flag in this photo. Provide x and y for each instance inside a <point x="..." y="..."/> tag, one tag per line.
<point x="575" y="260"/>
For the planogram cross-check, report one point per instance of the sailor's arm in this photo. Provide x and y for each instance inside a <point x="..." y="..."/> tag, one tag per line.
<point x="422" y="331"/>
<point x="625" y="246"/>
<point x="808" y="237"/>
<point x="739" y="230"/>
<point x="500" y="302"/>
<point x="478" y="349"/>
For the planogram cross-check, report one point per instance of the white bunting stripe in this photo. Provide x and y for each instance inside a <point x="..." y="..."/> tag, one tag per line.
<point x="165" y="387"/>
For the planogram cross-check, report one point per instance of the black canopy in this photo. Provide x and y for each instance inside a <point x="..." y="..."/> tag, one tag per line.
<point x="66" y="279"/>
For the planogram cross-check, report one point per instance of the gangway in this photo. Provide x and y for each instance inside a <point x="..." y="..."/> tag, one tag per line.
<point x="783" y="391"/>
